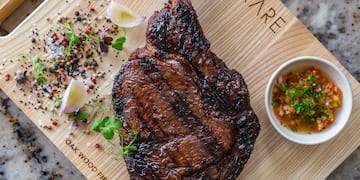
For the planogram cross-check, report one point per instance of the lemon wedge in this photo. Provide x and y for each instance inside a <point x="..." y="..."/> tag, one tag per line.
<point x="75" y="97"/>
<point x="123" y="16"/>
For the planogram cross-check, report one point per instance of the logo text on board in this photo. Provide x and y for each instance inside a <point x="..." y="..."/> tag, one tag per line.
<point x="268" y="15"/>
<point x="85" y="159"/>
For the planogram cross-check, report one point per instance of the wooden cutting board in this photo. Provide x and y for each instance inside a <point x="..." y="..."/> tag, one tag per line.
<point x="7" y="7"/>
<point x="251" y="36"/>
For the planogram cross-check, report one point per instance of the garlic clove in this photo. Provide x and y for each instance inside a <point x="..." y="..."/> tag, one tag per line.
<point x="74" y="98"/>
<point x="123" y="16"/>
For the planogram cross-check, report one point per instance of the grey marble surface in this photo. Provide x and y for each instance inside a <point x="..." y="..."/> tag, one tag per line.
<point x="336" y="24"/>
<point x="26" y="154"/>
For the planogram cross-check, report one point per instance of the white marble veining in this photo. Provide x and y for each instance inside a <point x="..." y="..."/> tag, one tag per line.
<point x="25" y="153"/>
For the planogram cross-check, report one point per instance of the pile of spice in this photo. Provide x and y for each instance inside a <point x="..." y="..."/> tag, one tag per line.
<point x="72" y="48"/>
<point x="70" y="55"/>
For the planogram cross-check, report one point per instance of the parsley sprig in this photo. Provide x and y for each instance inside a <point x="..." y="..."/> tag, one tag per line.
<point x="119" y="43"/>
<point x="56" y="101"/>
<point x="80" y="115"/>
<point x="108" y="127"/>
<point x="71" y="37"/>
<point x="39" y="69"/>
<point x="103" y="42"/>
<point x="130" y="147"/>
<point x="106" y="41"/>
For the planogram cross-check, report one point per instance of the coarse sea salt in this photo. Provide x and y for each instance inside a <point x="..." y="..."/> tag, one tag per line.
<point x="55" y="49"/>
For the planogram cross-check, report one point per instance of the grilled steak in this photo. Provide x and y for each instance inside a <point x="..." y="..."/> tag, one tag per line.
<point x="192" y="113"/>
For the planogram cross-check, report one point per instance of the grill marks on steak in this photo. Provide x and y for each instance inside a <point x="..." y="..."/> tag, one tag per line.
<point x="192" y="113"/>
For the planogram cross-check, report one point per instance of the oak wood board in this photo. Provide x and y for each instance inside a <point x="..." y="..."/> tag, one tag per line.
<point x="252" y="36"/>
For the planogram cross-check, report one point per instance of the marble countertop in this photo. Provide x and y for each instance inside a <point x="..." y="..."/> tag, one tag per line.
<point x="336" y="24"/>
<point x="26" y="154"/>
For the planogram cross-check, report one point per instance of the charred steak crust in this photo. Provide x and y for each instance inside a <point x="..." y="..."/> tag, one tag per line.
<point x="192" y="113"/>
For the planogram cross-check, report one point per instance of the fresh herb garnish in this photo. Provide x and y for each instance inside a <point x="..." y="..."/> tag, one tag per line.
<point x="39" y="69"/>
<point x="35" y="59"/>
<point x="82" y="116"/>
<point x="108" y="127"/>
<point x="282" y="87"/>
<point x="307" y="106"/>
<point x="130" y="147"/>
<point x="71" y="38"/>
<point x="79" y="115"/>
<point x="21" y="56"/>
<point x="306" y="100"/>
<point x="56" y="101"/>
<point x="119" y="43"/>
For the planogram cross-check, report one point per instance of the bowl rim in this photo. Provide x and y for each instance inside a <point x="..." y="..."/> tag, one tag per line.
<point x="281" y="129"/>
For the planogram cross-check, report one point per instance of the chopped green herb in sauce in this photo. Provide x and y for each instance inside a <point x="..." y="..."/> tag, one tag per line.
<point x="306" y="100"/>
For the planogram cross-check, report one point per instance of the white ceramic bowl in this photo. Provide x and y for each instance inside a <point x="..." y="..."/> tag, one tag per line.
<point x="342" y="114"/>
